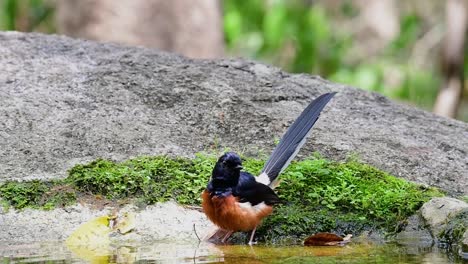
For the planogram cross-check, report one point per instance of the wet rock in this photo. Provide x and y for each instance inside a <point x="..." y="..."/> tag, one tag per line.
<point x="464" y="245"/>
<point x="438" y="211"/>
<point x="415" y="234"/>
<point x="447" y="219"/>
<point x="65" y="101"/>
<point x="453" y="231"/>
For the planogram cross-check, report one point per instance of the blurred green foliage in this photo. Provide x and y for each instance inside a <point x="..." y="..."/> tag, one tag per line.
<point x="27" y="15"/>
<point x="284" y="33"/>
<point x="299" y="36"/>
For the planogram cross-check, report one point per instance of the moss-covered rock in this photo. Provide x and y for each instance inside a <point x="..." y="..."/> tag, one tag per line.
<point x="455" y="228"/>
<point x="446" y="217"/>
<point x="317" y="194"/>
<point x="36" y="194"/>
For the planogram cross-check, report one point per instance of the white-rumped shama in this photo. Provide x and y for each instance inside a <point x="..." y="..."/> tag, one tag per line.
<point x="235" y="200"/>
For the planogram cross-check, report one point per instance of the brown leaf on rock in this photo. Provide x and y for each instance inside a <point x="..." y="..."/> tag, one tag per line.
<point x="326" y="239"/>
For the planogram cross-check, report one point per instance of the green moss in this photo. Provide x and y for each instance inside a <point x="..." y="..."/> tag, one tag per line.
<point x="318" y="195"/>
<point x="341" y="197"/>
<point x="352" y="187"/>
<point x="151" y="179"/>
<point x="36" y="194"/>
<point x="464" y="198"/>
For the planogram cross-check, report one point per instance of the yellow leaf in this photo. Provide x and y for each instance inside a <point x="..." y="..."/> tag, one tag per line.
<point x="91" y="240"/>
<point x="125" y="223"/>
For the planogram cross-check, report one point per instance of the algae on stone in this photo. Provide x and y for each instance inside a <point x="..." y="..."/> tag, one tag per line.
<point x="317" y="194"/>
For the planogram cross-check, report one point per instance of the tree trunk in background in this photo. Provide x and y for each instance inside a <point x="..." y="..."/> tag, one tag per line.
<point x="377" y="25"/>
<point x="192" y="28"/>
<point x="382" y="17"/>
<point x="449" y="96"/>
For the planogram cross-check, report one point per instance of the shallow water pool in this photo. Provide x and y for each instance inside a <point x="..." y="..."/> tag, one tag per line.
<point x="170" y="252"/>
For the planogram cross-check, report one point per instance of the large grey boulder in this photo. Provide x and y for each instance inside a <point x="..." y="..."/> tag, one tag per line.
<point x="66" y="101"/>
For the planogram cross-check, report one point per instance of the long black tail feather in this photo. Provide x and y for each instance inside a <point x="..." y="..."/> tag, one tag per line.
<point x="294" y="139"/>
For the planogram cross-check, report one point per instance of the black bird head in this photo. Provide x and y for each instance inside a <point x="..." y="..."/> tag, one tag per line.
<point x="227" y="170"/>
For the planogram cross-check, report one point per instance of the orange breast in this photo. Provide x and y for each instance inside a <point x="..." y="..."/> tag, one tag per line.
<point x="229" y="214"/>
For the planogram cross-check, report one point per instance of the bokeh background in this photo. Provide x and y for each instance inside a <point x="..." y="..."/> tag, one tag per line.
<point x="412" y="51"/>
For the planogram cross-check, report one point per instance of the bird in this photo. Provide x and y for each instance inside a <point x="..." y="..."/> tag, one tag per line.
<point x="235" y="200"/>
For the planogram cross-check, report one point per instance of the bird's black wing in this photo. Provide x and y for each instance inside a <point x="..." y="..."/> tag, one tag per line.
<point x="249" y="190"/>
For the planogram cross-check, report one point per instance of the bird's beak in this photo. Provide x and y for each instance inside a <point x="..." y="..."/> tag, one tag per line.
<point x="239" y="167"/>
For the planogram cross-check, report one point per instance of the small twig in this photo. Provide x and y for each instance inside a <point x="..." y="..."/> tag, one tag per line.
<point x="199" y="241"/>
<point x="192" y="207"/>
<point x="195" y="256"/>
<point x="195" y="231"/>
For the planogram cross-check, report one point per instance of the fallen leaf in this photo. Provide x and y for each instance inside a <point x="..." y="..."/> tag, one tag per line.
<point x="91" y="241"/>
<point x="125" y="223"/>
<point x="326" y="239"/>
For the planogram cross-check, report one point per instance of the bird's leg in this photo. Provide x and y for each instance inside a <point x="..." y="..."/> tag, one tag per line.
<point x="211" y="234"/>
<point x="228" y="234"/>
<point x="252" y="236"/>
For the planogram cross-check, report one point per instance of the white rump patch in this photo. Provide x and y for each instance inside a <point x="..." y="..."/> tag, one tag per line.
<point x="263" y="178"/>
<point x="259" y="207"/>
<point x="248" y="206"/>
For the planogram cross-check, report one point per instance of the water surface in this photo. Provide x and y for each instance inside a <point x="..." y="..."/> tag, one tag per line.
<point x="170" y="252"/>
